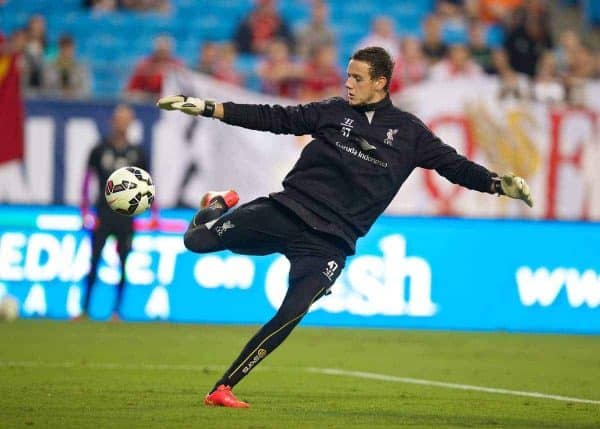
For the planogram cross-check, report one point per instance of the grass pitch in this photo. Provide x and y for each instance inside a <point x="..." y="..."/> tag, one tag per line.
<point x="105" y="375"/>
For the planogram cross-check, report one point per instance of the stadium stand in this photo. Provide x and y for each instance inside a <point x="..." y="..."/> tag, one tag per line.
<point x="110" y="43"/>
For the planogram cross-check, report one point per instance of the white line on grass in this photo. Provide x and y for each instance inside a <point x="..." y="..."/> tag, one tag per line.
<point x="383" y="377"/>
<point x="326" y="371"/>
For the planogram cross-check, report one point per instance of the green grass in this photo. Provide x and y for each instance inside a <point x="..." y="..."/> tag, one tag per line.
<point x="101" y="375"/>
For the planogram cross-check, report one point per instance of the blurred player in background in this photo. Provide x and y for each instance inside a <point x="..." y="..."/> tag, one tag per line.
<point x="363" y="149"/>
<point x="113" y="152"/>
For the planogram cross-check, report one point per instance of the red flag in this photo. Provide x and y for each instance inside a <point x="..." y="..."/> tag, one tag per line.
<point x="11" y="109"/>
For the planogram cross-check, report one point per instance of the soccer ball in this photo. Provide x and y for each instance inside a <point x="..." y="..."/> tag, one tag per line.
<point x="129" y="191"/>
<point x="9" y="308"/>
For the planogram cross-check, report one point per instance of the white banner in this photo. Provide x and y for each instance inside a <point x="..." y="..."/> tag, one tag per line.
<point x="555" y="148"/>
<point x="214" y="155"/>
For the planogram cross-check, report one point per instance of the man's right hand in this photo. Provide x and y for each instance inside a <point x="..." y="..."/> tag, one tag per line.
<point x="190" y="105"/>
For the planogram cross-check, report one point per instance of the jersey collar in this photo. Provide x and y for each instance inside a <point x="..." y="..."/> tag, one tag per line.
<point x="385" y="102"/>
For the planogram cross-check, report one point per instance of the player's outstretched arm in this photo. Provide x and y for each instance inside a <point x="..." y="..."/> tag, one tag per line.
<point x="298" y="120"/>
<point x="191" y="106"/>
<point x="514" y="187"/>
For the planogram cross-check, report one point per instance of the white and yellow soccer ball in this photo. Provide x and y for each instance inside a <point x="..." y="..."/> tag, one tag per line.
<point x="9" y="308"/>
<point x="129" y="191"/>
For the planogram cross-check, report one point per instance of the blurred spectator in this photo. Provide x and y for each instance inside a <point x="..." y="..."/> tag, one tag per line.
<point x="209" y="52"/>
<point x="433" y="46"/>
<point x="316" y="32"/>
<point x="146" y="82"/>
<point x="65" y="76"/>
<point x="219" y="61"/>
<point x="526" y="43"/>
<point x="33" y="54"/>
<point x="536" y="10"/>
<point x="496" y="11"/>
<point x="18" y="42"/>
<point x="410" y="67"/>
<point x="450" y="9"/>
<point x="453" y="14"/>
<point x="278" y="73"/>
<point x="134" y="5"/>
<point x="480" y="52"/>
<point x="513" y="85"/>
<point x="162" y="6"/>
<point x="382" y="34"/>
<point x="583" y="65"/>
<point x="566" y="51"/>
<point x="262" y="25"/>
<point x="581" y="69"/>
<point x="101" y="5"/>
<point x="321" y="78"/>
<point x="458" y="63"/>
<point x="224" y="67"/>
<point x="547" y="86"/>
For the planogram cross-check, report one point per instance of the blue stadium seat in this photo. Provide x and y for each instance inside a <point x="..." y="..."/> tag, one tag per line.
<point x="12" y="21"/>
<point x="494" y="36"/>
<point x="212" y="27"/>
<point x="28" y="6"/>
<point x="410" y="7"/>
<point x="188" y="50"/>
<point x="408" y="26"/>
<point x="455" y="35"/>
<point x="246" y="64"/>
<point x="591" y="11"/>
<point x="292" y="11"/>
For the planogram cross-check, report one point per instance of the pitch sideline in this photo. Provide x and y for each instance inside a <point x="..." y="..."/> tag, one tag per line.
<point x="324" y="371"/>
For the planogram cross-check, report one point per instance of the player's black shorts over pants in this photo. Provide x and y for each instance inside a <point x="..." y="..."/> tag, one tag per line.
<point x="264" y="226"/>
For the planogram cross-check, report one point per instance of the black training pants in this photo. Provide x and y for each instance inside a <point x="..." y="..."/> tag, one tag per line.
<point x="261" y="227"/>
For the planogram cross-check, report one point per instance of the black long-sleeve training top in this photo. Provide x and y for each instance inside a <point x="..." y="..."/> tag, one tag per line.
<point x="357" y="161"/>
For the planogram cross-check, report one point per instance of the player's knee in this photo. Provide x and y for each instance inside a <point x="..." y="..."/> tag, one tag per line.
<point x="191" y="242"/>
<point x="292" y="310"/>
<point x="201" y="240"/>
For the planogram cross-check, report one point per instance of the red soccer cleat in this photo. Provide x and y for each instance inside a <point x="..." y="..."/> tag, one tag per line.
<point x="223" y="397"/>
<point x="230" y="197"/>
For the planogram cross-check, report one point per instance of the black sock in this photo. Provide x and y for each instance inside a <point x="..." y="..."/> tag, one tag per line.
<point x="215" y="210"/>
<point x="264" y="342"/>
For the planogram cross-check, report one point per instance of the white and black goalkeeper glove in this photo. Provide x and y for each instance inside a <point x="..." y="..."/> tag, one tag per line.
<point x="190" y="105"/>
<point x="514" y="187"/>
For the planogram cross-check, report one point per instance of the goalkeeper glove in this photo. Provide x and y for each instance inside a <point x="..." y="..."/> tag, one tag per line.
<point x="190" y="105"/>
<point x="514" y="187"/>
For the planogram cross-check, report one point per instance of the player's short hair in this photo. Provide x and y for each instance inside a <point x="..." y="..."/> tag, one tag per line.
<point x="379" y="60"/>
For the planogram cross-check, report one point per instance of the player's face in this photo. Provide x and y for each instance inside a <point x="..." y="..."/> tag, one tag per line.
<point x="361" y="88"/>
<point x="122" y="119"/>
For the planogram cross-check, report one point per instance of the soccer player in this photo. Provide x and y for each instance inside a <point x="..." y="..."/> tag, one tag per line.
<point x="113" y="152"/>
<point x="363" y="149"/>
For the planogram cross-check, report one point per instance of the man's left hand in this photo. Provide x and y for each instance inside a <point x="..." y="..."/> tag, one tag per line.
<point x="516" y="187"/>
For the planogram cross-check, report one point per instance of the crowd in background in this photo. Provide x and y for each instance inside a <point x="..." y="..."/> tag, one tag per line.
<point x="530" y="61"/>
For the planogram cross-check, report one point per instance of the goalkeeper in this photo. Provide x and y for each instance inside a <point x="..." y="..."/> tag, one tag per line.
<point x="363" y="149"/>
